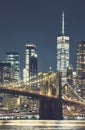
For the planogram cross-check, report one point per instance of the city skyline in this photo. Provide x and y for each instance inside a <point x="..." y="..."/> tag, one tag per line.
<point x="39" y="22"/>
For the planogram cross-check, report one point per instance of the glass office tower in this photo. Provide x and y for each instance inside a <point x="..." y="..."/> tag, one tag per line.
<point x="14" y="59"/>
<point x="80" y="68"/>
<point x="5" y="72"/>
<point x="63" y="53"/>
<point x="31" y="71"/>
<point x="31" y="62"/>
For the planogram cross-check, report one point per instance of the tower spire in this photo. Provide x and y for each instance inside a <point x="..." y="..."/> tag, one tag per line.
<point x="63" y="23"/>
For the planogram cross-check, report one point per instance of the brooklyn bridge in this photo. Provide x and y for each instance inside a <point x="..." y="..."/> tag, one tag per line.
<point x="54" y="101"/>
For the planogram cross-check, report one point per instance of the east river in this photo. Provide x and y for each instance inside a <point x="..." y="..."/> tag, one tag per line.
<point x="42" y="125"/>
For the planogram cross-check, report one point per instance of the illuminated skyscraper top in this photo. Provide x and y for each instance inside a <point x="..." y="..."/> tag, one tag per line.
<point x="63" y="52"/>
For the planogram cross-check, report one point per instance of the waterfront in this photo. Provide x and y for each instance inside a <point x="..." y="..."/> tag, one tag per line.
<point x="42" y="125"/>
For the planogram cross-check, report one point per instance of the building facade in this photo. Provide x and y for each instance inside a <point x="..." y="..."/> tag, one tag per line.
<point x="70" y="75"/>
<point x="31" y="62"/>
<point x="31" y="70"/>
<point x="5" y="72"/>
<point x="14" y="59"/>
<point x="80" y="68"/>
<point x="63" y="53"/>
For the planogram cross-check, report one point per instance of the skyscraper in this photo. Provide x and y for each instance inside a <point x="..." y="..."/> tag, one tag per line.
<point x="14" y="59"/>
<point x="31" y="69"/>
<point x="80" y="68"/>
<point x="5" y="72"/>
<point x="70" y="75"/>
<point x="31" y="62"/>
<point x="63" y="53"/>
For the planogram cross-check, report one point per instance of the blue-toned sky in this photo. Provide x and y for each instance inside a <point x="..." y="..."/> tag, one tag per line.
<point x="39" y="21"/>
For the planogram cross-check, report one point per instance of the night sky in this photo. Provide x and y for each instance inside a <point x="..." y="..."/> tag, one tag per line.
<point x="39" y="22"/>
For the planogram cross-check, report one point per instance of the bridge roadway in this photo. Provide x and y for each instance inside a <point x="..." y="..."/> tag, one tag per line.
<point x="38" y="95"/>
<point x="74" y="102"/>
<point x="24" y="92"/>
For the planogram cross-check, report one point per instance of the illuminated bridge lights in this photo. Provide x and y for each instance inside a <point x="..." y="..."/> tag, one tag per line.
<point x="40" y="94"/>
<point x="40" y="81"/>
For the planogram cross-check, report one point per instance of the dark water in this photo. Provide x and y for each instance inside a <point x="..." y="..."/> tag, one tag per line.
<point x="42" y="125"/>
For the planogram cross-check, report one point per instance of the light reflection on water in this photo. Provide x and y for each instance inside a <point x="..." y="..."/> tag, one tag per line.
<point x="42" y="125"/>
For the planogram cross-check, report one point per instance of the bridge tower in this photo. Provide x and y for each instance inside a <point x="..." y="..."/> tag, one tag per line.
<point x="51" y="108"/>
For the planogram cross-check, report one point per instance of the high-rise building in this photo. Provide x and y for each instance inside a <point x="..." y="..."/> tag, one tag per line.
<point x="31" y="70"/>
<point x="70" y="75"/>
<point x="31" y="62"/>
<point x="63" y="53"/>
<point x="80" y="68"/>
<point x="74" y="78"/>
<point x="5" y="72"/>
<point x="14" y="59"/>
